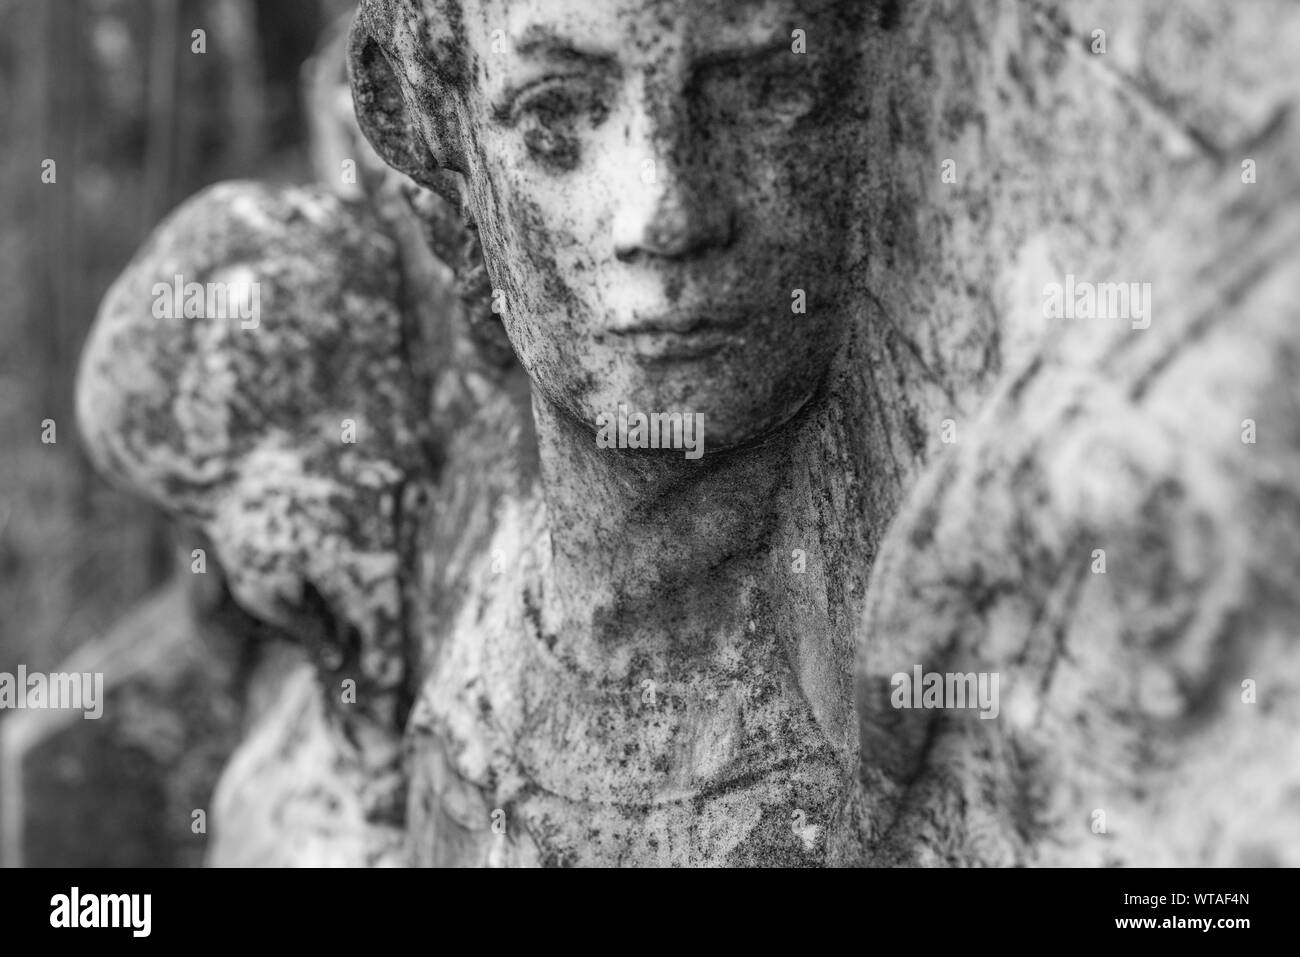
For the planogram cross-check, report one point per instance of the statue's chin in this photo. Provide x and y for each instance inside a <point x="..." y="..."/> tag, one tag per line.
<point x="744" y="394"/>
<point x="641" y="428"/>
<point x="754" y="432"/>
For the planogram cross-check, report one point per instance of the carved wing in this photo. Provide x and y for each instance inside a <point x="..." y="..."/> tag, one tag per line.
<point x="1117" y="538"/>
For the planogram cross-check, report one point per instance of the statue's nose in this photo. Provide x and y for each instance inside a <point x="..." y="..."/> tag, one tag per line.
<point x="671" y="217"/>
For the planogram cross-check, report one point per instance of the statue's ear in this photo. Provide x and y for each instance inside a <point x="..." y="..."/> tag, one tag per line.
<point x="407" y="141"/>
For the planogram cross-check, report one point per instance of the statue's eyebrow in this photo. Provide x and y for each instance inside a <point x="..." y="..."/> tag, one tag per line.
<point x="541" y="42"/>
<point x="740" y="54"/>
<point x="543" y="45"/>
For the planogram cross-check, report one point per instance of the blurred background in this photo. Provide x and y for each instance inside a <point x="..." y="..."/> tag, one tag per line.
<point x="136" y="121"/>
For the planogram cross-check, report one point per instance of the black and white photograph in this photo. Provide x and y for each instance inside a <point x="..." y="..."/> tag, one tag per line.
<point x="651" y="434"/>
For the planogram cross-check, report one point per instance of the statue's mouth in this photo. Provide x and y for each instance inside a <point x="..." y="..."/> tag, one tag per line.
<point x="682" y="336"/>
<point x="678" y="346"/>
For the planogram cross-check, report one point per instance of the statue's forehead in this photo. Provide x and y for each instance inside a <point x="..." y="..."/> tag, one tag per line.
<point x="626" y="26"/>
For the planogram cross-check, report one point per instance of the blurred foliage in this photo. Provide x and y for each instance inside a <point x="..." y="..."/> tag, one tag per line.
<point x="136" y="121"/>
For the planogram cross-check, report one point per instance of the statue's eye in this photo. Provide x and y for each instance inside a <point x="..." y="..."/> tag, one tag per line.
<point x="778" y="87"/>
<point x="553" y="114"/>
<point x="787" y="94"/>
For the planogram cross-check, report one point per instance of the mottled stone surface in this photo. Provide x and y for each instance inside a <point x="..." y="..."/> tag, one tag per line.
<point x="566" y="654"/>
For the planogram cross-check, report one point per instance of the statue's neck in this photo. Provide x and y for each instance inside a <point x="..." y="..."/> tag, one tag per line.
<point x="665" y="564"/>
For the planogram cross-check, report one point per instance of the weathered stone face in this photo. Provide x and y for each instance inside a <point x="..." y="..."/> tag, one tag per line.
<point x="659" y="190"/>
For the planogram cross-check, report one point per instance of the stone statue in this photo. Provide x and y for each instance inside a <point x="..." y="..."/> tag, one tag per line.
<point x="532" y="646"/>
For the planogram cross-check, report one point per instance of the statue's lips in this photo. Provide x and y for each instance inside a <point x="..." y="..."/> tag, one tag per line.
<point x="678" y="337"/>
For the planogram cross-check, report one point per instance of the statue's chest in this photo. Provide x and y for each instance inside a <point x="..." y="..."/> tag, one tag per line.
<point x="519" y="760"/>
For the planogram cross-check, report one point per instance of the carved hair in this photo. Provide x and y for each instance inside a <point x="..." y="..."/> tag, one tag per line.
<point x="389" y="41"/>
<point x="409" y="58"/>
